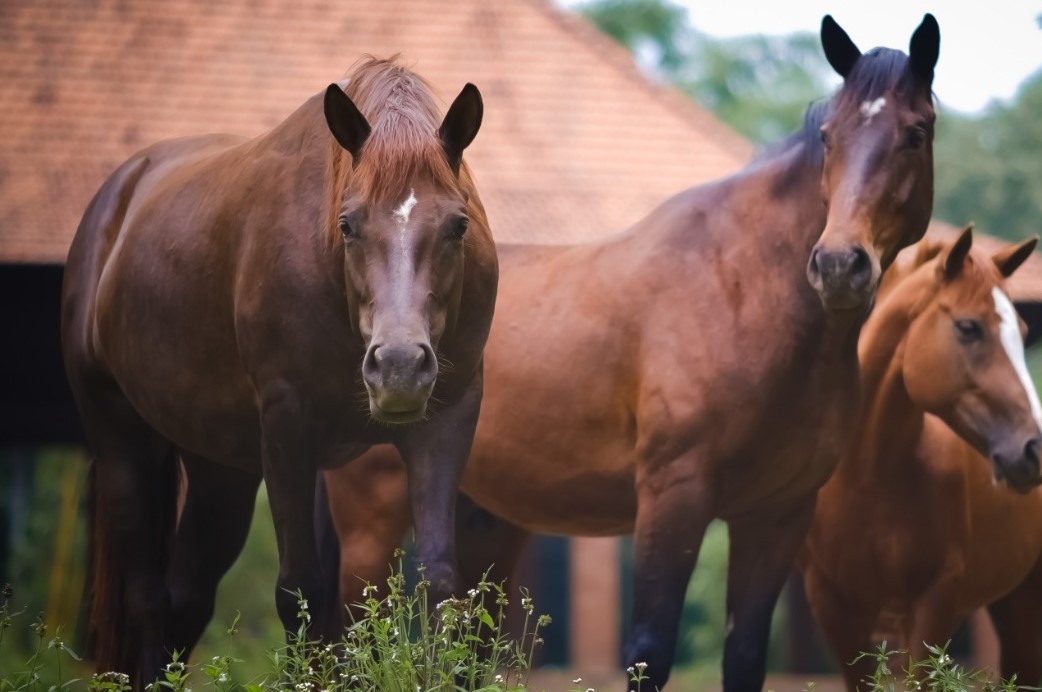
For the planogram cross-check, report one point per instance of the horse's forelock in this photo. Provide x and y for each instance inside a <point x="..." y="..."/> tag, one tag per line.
<point x="877" y="72"/>
<point x="403" y="144"/>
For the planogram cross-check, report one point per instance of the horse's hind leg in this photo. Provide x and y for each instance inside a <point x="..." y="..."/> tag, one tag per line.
<point x="1018" y="622"/>
<point x="134" y="488"/>
<point x="214" y="523"/>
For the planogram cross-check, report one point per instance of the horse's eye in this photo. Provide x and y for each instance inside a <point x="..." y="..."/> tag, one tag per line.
<point x="915" y="137"/>
<point x="459" y="228"/>
<point x="823" y="133"/>
<point x="346" y="229"/>
<point x="969" y="331"/>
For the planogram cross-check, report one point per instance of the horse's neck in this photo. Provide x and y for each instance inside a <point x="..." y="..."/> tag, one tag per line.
<point x="891" y="424"/>
<point x="790" y="229"/>
<point x="304" y="132"/>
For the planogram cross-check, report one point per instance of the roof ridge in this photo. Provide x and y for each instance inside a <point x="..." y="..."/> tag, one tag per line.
<point x="594" y="39"/>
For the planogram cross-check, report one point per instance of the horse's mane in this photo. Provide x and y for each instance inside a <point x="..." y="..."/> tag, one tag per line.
<point x="878" y="71"/>
<point x="403" y="143"/>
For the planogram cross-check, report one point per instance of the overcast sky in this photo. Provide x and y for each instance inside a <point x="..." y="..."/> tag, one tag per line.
<point x="987" y="46"/>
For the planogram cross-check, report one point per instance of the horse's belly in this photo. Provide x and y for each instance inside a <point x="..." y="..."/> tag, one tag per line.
<point x="558" y="480"/>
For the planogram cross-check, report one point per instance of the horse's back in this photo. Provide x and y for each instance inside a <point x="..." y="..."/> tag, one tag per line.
<point x="147" y="294"/>
<point x="108" y="217"/>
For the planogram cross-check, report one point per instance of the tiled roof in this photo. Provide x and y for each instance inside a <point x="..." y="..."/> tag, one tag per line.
<point x="575" y="142"/>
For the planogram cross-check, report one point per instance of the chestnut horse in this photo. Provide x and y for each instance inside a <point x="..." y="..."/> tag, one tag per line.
<point x="269" y="307"/>
<point x="915" y="531"/>
<point x="687" y="369"/>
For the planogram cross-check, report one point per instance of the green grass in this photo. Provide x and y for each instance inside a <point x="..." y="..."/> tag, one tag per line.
<point x="400" y="642"/>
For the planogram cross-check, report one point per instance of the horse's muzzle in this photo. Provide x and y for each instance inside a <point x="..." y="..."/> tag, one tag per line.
<point x="843" y="278"/>
<point x="1019" y="468"/>
<point x="399" y="379"/>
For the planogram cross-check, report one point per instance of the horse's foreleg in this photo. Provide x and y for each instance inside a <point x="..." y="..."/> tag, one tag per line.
<point x="486" y="543"/>
<point x="289" y="454"/>
<point x="1018" y="622"/>
<point x="214" y="524"/>
<point x="847" y="626"/>
<point x="435" y="454"/>
<point x="671" y="520"/>
<point x="763" y="550"/>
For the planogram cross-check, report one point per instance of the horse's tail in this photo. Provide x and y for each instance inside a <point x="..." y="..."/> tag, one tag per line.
<point x="111" y="643"/>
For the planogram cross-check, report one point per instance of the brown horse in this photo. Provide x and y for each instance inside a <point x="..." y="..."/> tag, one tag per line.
<point x="687" y="369"/>
<point x="914" y="531"/>
<point x="269" y="307"/>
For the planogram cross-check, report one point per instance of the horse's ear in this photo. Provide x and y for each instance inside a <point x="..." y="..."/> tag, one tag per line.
<point x="461" y="124"/>
<point x="928" y="249"/>
<point x="953" y="257"/>
<point x="1009" y="259"/>
<point x="923" y="49"/>
<point x="839" y="49"/>
<point x="346" y="122"/>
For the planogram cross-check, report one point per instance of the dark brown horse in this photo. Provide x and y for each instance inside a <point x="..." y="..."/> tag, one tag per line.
<point x="687" y="369"/>
<point x="915" y="530"/>
<point x="269" y="307"/>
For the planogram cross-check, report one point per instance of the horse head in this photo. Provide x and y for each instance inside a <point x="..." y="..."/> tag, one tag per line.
<point x="401" y="215"/>
<point x="877" y="176"/>
<point x="963" y="356"/>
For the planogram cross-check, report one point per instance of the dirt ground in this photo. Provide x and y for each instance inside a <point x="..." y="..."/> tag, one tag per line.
<point x="561" y="680"/>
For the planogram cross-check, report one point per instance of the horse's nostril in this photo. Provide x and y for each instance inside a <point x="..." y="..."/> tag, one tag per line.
<point x="860" y="267"/>
<point x="813" y="268"/>
<point x="429" y="363"/>
<point x="1031" y="450"/>
<point x="370" y="366"/>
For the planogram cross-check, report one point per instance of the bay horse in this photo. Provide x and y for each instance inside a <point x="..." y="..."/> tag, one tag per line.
<point x="703" y="363"/>
<point x="268" y="307"/>
<point x="917" y="528"/>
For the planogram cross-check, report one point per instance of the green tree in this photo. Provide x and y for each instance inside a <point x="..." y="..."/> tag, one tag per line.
<point x="642" y="25"/>
<point x="988" y="167"/>
<point x="760" y="85"/>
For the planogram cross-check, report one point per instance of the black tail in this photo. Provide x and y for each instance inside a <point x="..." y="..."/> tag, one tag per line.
<point x="110" y="640"/>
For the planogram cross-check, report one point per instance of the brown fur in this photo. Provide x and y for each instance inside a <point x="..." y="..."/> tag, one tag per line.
<point x="207" y="315"/>
<point x="911" y="533"/>
<point x="686" y="370"/>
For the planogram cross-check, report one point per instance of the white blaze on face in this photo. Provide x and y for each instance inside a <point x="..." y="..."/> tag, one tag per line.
<point x="870" y="108"/>
<point x="401" y="214"/>
<point x="1013" y="344"/>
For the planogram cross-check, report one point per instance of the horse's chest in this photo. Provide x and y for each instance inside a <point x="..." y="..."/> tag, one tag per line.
<point x="800" y="437"/>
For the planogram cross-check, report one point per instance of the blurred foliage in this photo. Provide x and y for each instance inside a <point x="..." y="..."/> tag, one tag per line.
<point x="987" y="166"/>
<point x="643" y="25"/>
<point x="48" y="542"/>
<point x="760" y="85"/>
